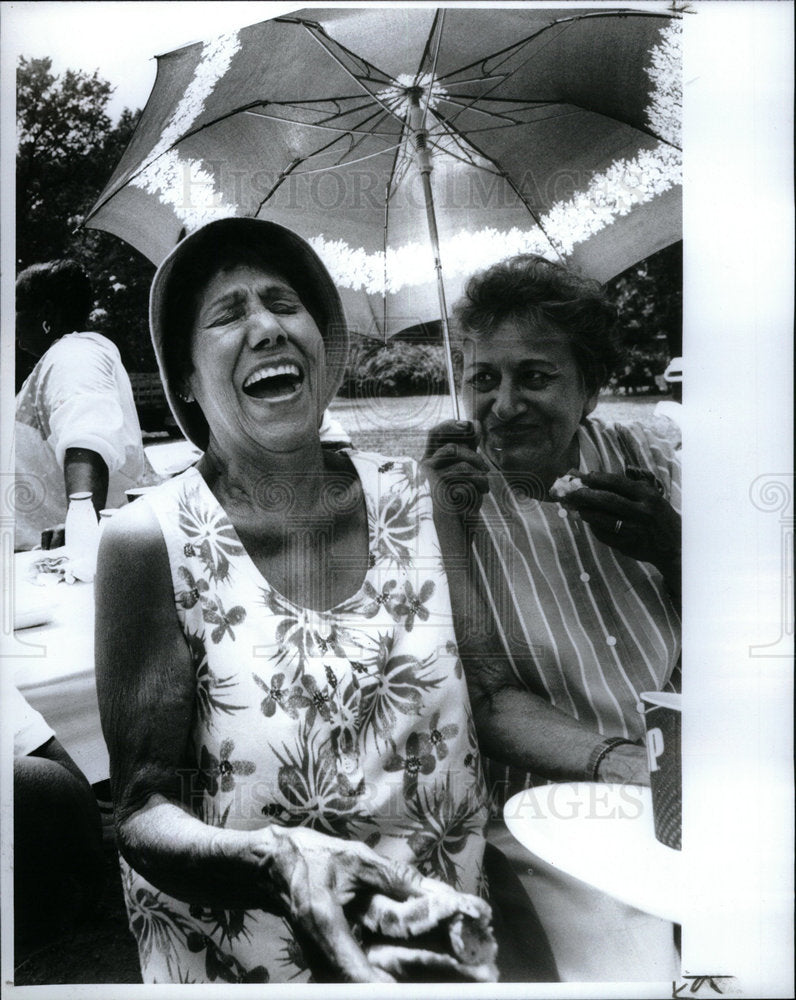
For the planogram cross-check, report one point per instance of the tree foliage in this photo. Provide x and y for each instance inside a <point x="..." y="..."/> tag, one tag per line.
<point x="395" y="369"/>
<point x="67" y="150"/>
<point x="649" y="299"/>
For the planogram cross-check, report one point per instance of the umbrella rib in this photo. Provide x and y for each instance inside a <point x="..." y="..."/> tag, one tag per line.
<point x="463" y="154"/>
<point x="317" y="31"/>
<point x="277" y="184"/>
<point x="513" y="101"/>
<point x="464" y="157"/>
<point x="322" y="149"/>
<point x="505" y="118"/>
<point x="438" y="15"/>
<point x="243" y="109"/>
<point x="354" y="145"/>
<point x="507" y="122"/>
<point x="451" y="134"/>
<point x="439" y="18"/>
<point x="356" y="130"/>
<point x="247" y="108"/>
<point x="637" y="128"/>
<point x="319" y="100"/>
<point x="371" y="133"/>
<point x="344" y="163"/>
<point x="462" y="142"/>
<point x="313" y="102"/>
<point x="564" y="22"/>
<point x="506" y="177"/>
<point x="292" y="169"/>
<point x="536" y="218"/>
<point x="471" y="79"/>
<point x="548" y="27"/>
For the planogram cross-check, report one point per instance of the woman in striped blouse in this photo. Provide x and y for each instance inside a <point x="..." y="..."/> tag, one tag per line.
<point x="581" y="579"/>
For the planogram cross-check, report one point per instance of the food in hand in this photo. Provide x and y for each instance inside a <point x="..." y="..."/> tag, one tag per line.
<point x="460" y="946"/>
<point x="565" y="485"/>
<point x="472" y="941"/>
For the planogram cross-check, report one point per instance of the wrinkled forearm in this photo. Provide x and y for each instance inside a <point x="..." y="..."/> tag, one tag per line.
<point x="198" y="863"/>
<point x="519" y="728"/>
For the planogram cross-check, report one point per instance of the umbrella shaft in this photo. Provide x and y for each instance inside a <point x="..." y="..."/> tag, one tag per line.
<point x="417" y="125"/>
<point x="443" y="307"/>
<point x="446" y="340"/>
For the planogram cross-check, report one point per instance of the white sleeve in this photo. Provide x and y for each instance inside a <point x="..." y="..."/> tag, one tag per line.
<point x="30" y="728"/>
<point x="82" y="398"/>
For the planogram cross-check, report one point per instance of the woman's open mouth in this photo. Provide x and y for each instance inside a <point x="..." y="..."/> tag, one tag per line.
<point x="274" y="382"/>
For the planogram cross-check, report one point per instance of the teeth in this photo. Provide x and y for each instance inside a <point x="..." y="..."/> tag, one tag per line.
<point x="271" y="371"/>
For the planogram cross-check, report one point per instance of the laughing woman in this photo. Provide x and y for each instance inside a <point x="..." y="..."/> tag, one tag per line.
<point x="286" y="715"/>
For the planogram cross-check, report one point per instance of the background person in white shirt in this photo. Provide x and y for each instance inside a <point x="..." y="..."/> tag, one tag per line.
<point x="76" y="427"/>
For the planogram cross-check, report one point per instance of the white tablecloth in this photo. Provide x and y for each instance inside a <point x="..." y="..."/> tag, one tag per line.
<point x="53" y="663"/>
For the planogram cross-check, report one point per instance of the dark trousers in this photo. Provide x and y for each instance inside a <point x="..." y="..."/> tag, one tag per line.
<point x="58" y="861"/>
<point x="524" y="954"/>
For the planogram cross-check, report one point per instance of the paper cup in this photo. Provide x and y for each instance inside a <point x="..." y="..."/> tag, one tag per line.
<point x="662" y="715"/>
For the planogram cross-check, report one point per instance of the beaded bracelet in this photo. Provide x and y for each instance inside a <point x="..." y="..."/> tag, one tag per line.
<point x="600" y="751"/>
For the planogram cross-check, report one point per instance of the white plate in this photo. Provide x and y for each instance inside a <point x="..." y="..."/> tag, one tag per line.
<point x="603" y="835"/>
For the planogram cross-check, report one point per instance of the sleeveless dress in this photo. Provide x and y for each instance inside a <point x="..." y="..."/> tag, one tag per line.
<point x="353" y="721"/>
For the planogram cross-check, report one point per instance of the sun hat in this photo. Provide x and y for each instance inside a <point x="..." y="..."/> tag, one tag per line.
<point x="281" y="248"/>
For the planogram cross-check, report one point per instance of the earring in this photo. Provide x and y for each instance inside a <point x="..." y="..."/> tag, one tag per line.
<point x="45" y="326"/>
<point x="186" y="396"/>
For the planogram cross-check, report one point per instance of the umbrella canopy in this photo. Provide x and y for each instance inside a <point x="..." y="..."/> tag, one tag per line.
<point x="550" y="131"/>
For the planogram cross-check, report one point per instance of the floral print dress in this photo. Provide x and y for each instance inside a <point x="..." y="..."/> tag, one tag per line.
<point x="353" y="721"/>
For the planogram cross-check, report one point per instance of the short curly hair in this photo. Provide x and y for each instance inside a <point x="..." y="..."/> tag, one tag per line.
<point x="62" y="282"/>
<point x="529" y="288"/>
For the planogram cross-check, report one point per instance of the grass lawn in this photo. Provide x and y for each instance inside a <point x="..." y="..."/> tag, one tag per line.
<point x="398" y="426"/>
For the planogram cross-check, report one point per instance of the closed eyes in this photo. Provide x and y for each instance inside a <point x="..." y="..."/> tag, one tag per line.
<point x="234" y="307"/>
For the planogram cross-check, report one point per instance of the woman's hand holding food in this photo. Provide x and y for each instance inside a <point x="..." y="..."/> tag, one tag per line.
<point x="629" y="513"/>
<point x="327" y="885"/>
<point x="457" y="473"/>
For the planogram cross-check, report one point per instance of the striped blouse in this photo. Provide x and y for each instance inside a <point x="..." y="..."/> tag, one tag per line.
<point x="599" y="627"/>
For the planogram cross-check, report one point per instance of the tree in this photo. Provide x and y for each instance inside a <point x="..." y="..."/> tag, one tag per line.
<point x="649" y="298"/>
<point x="68" y="149"/>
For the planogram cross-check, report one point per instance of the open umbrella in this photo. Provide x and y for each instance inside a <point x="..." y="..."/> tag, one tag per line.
<point x="412" y="146"/>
